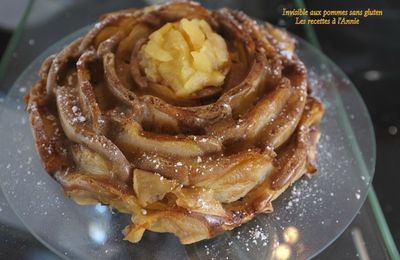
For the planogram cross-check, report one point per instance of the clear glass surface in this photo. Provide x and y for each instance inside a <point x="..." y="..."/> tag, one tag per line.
<point x="306" y="219"/>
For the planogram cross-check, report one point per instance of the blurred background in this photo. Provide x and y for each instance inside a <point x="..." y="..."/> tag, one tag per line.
<point x="368" y="53"/>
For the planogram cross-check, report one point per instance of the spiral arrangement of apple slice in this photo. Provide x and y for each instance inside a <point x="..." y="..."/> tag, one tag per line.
<point x="194" y="166"/>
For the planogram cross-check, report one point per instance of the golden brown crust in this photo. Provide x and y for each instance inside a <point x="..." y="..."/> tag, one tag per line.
<point x="195" y="167"/>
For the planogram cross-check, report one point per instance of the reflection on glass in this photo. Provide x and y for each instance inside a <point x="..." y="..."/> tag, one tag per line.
<point x="100" y="208"/>
<point x="359" y="244"/>
<point x="97" y="233"/>
<point x="282" y="252"/>
<point x="291" y="235"/>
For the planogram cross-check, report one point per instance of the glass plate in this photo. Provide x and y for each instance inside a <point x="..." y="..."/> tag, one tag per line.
<point x="307" y="217"/>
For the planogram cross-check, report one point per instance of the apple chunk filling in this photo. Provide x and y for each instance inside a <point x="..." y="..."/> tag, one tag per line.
<point x="185" y="56"/>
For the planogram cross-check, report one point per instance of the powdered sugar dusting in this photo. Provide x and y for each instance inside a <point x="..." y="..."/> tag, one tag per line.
<point x="254" y="240"/>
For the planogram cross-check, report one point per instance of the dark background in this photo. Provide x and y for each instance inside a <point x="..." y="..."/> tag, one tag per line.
<point x="369" y="54"/>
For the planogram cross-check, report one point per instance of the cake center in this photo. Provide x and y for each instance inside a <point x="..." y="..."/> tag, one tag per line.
<point x="185" y="56"/>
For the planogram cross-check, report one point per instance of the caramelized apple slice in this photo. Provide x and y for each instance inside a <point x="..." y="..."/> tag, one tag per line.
<point x="151" y="187"/>
<point x="199" y="200"/>
<point x="237" y="182"/>
<point x="89" y="161"/>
